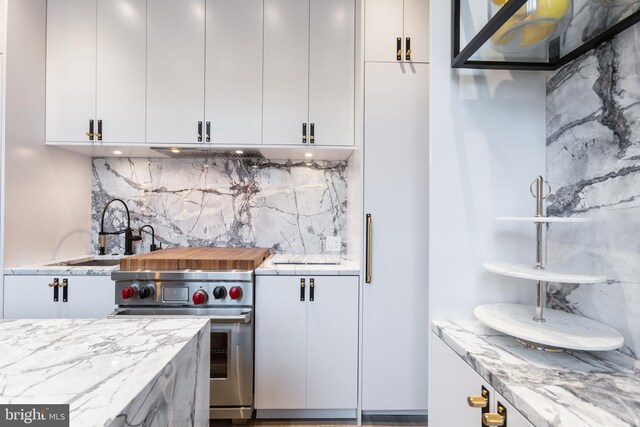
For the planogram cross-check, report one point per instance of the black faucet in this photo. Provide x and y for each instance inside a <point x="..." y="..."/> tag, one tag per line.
<point x="128" y="232"/>
<point x="153" y="246"/>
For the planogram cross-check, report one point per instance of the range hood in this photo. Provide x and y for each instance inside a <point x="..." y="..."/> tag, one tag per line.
<point x="535" y="34"/>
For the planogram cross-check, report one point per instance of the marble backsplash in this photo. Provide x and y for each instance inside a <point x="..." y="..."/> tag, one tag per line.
<point x="593" y="166"/>
<point x="289" y="207"/>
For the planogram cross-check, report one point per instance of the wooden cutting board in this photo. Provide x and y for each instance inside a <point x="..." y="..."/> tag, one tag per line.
<point x="197" y="259"/>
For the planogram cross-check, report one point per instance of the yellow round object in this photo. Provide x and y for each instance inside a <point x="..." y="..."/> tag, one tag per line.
<point x="554" y="9"/>
<point x="536" y="32"/>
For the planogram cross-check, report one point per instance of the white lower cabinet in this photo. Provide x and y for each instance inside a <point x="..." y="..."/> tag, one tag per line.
<point x="306" y="343"/>
<point x="43" y="297"/>
<point x="453" y="383"/>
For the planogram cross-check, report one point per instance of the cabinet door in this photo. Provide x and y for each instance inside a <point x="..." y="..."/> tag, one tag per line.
<point x="88" y="297"/>
<point x="286" y="71"/>
<point x="416" y="27"/>
<point x="332" y="343"/>
<point x="396" y="182"/>
<point x="382" y="27"/>
<point x="175" y="70"/>
<point x="121" y="73"/>
<point x="453" y="381"/>
<point x="234" y="71"/>
<point x="514" y="417"/>
<point x="281" y="343"/>
<point x="331" y="71"/>
<point x="30" y="297"/>
<point x="71" y="69"/>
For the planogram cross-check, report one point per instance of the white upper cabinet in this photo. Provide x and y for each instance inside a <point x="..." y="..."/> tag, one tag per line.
<point x="286" y="71"/>
<point x="331" y="71"/>
<point x="309" y="60"/>
<point x="397" y="30"/>
<point x="383" y="26"/>
<point x="121" y="72"/>
<point x="175" y="71"/>
<point x="71" y="70"/>
<point x="416" y="30"/>
<point x="233" y="109"/>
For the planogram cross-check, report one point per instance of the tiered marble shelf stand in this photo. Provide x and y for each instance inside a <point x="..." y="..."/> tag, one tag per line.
<point x="533" y="326"/>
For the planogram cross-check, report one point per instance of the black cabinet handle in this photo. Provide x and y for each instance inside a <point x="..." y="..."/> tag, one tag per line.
<point x="90" y="133"/>
<point x="208" y="132"/>
<point x="304" y="133"/>
<point x="312" y="289"/>
<point x="199" y="131"/>
<point x="99" y="134"/>
<point x="399" y="49"/>
<point x="407" y="46"/>
<point x="55" y="285"/>
<point x="301" y="289"/>
<point x="312" y="133"/>
<point x="65" y="290"/>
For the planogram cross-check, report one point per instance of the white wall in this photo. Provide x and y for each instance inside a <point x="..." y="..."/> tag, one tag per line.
<point x="487" y="143"/>
<point x="47" y="198"/>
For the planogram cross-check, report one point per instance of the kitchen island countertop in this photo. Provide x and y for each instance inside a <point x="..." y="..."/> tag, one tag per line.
<point x="110" y="372"/>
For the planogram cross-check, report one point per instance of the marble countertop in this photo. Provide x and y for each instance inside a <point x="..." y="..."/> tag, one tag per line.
<point x="46" y="268"/>
<point x="550" y="389"/>
<point x="108" y="371"/>
<point x="308" y="265"/>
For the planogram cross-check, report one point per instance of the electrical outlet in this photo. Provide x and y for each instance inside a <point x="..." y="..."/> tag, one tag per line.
<point x="333" y="244"/>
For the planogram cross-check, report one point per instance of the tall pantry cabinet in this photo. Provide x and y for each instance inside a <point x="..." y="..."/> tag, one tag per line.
<point x="396" y="161"/>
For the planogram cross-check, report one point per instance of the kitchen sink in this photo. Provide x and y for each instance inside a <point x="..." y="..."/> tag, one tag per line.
<point x="88" y="263"/>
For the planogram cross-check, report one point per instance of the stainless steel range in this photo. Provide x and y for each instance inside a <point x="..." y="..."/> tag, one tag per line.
<point x="225" y="297"/>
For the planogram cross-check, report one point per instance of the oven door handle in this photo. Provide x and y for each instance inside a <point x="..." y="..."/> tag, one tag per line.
<point x="243" y="318"/>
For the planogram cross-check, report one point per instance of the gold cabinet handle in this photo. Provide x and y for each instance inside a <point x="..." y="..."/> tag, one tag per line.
<point x="492" y="420"/>
<point x="481" y="401"/>
<point x="477" y="401"/>
<point x="399" y="49"/>
<point x="53" y="284"/>
<point x="407" y="46"/>
<point x="369" y="255"/>
<point x="64" y="283"/>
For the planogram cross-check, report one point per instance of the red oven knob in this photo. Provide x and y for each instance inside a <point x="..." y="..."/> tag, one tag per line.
<point x="235" y="292"/>
<point x="200" y="297"/>
<point x="128" y="292"/>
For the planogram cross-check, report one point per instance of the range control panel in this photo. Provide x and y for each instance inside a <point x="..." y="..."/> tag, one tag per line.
<point x="140" y="293"/>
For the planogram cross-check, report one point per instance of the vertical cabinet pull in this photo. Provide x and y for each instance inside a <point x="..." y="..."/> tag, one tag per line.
<point x="407" y="46"/>
<point x="208" y="131"/>
<point x="368" y="249"/>
<point x="312" y="133"/>
<point x="99" y="134"/>
<point x="199" y="131"/>
<point x="312" y="289"/>
<point x="302" y="282"/>
<point x="399" y="49"/>
<point x="55" y="285"/>
<point x="304" y="133"/>
<point x="90" y="133"/>
<point x="65" y="290"/>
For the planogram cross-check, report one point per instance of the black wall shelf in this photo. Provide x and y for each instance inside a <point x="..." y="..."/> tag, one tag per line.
<point x="615" y="20"/>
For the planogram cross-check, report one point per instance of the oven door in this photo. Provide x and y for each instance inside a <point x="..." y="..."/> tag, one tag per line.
<point x="231" y="356"/>
<point x="231" y="376"/>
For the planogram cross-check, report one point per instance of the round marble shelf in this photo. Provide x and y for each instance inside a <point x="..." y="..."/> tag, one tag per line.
<point x="530" y="272"/>
<point x="561" y="330"/>
<point x="542" y="219"/>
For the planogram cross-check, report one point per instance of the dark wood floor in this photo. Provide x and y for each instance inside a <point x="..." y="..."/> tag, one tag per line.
<point x="377" y="421"/>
